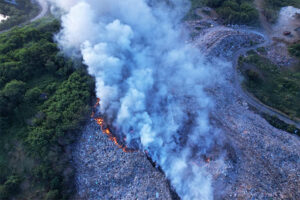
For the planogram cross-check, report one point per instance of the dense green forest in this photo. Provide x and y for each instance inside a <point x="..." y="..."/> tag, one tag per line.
<point x="18" y="13"/>
<point x="231" y="11"/>
<point x="276" y="86"/>
<point x="235" y="11"/>
<point x="44" y="100"/>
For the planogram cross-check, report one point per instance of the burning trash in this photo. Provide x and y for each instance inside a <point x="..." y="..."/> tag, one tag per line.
<point x="106" y="130"/>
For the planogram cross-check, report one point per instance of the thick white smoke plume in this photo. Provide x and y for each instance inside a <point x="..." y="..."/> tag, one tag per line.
<point x="151" y="82"/>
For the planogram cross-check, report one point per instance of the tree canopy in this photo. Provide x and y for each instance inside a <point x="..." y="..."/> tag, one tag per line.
<point x="44" y="100"/>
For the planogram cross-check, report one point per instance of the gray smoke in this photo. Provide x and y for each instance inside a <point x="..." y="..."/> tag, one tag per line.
<point x="151" y="82"/>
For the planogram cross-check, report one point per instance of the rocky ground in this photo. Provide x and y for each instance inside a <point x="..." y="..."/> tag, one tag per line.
<point x="259" y="161"/>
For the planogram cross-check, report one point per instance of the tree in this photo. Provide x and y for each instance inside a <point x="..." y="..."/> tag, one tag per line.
<point x="33" y="95"/>
<point x="10" y="187"/>
<point x="14" y="91"/>
<point x="295" y="49"/>
<point x="52" y="195"/>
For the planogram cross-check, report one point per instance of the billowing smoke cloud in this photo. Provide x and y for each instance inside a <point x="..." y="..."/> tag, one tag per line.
<point x="150" y="80"/>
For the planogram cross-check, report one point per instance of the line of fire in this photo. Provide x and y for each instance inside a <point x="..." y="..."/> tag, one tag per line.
<point x="106" y="130"/>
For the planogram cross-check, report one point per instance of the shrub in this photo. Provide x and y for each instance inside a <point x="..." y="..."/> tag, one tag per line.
<point x="253" y="76"/>
<point x="32" y="95"/>
<point x="10" y="187"/>
<point x="52" y="195"/>
<point x="295" y="50"/>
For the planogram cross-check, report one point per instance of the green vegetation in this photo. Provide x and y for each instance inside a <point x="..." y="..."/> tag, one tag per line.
<point x="196" y="4"/>
<point x="191" y="14"/>
<point x="275" y="86"/>
<point x="235" y="11"/>
<point x="44" y="100"/>
<point x="295" y="50"/>
<point x="272" y="7"/>
<point x="277" y="123"/>
<point x="18" y="13"/>
<point x="244" y="11"/>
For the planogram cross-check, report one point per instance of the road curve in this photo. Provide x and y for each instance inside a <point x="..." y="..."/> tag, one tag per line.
<point x="43" y="11"/>
<point x="253" y="101"/>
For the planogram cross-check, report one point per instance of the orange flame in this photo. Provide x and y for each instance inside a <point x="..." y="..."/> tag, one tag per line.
<point x="207" y="160"/>
<point x="93" y="114"/>
<point x="105" y="130"/>
<point x="97" y="103"/>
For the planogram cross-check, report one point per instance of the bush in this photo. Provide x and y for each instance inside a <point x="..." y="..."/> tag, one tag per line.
<point x="10" y="187"/>
<point x="52" y="195"/>
<point x="277" y="123"/>
<point x="14" y="91"/>
<point x="33" y="95"/>
<point x="3" y="192"/>
<point x="295" y="50"/>
<point x="253" y="76"/>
